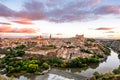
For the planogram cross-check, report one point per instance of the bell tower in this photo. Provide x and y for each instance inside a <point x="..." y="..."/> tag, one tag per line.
<point x="50" y="36"/>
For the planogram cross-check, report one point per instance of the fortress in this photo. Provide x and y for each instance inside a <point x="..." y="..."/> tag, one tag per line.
<point x="79" y="36"/>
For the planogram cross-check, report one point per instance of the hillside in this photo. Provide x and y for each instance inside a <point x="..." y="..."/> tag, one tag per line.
<point x="59" y="47"/>
<point x="69" y="48"/>
<point x="114" y="44"/>
<point x="46" y="54"/>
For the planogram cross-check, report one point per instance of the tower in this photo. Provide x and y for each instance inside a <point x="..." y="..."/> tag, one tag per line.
<point x="50" y="36"/>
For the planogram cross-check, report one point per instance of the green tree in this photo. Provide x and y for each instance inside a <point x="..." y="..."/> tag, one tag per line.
<point x="54" y="61"/>
<point x="93" y="60"/>
<point x="117" y="71"/>
<point x="32" y="68"/>
<point x="119" y="55"/>
<point x="74" y="63"/>
<point x="10" y="69"/>
<point x="20" y="47"/>
<point x="96" y="74"/>
<point x="45" y="66"/>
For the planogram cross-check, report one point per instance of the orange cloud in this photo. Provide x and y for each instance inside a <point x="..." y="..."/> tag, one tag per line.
<point x="103" y="28"/>
<point x="27" y="30"/>
<point x="6" y="29"/>
<point x="24" y="21"/>
<point x="9" y="29"/>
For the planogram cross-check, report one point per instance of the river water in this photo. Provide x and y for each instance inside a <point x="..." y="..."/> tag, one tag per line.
<point x="112" y="62"/>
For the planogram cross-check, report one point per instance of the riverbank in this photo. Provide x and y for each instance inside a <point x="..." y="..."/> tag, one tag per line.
<point x="33" y="65"/>
<point x="54" y="74"/>
<point x="102" y="68"/>
<point x="65" y="74"/>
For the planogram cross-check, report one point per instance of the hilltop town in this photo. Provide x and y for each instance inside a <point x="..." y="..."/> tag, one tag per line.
<point x="67" y="48"/>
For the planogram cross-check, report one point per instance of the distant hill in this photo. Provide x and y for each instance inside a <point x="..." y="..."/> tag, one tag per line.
<point x="114" y="44"/>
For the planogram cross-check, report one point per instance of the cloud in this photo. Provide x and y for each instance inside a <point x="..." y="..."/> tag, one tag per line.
<point x="55" y="11"/>
<point x="110" y="35"/>
<point x="59" y="34"/>
<point x="33" y="10"/>
<point x="5" y="11"/>
<point x="45" y="34"/>
<point x="110" y="32"/>
<point x="60" y="10"/>
<point x="24" y="21"/>
<point x="107" y="9"/>
<point x="103" y="28"/>
<point x="5" y="23"/>
<point x="72" y="11"/>
<point x="95" y="2"/>
<point x="27" y="30"/>
<point x="9" y="29"/>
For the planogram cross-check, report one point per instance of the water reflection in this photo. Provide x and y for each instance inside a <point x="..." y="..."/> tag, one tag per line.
<point x="57" y="77"/>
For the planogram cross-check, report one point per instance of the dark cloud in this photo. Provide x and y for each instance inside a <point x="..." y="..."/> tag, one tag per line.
<point x="110" y="32"/>
<point x="5" y="11"/>
<point x="9" y="29"/>
<point x="61" y="10"/>
<point x="4" y="23"/>
<point x="104" y="28"/>
<point x="108" y="9"/>
<point x="33" y="10"/>
<point x="73" y="11"/>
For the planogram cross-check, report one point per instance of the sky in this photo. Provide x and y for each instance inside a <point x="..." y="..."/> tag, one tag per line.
<point x="60" y="18"/>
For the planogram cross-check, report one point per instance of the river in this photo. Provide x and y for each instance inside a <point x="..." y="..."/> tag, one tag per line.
<point x="112" y="62"/>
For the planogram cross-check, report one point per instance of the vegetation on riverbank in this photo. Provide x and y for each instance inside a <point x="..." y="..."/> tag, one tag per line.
<point x="15" y="62"/>
<point x="82" y="62"/>
<point x="114" y="75"/>
<point x="119" y="55"/>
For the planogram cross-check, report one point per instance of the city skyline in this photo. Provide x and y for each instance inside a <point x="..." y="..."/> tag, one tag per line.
<point x="61" y="18"/>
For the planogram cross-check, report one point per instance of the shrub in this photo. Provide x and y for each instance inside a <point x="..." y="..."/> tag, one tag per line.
<point x="64" y="65"/>
<point x="20" y="47"/>
<point x="117" y="71"/>
<point x="100" y="56"/>
<point x="119" y="55"/>
<point x="77" y="62"/>
<point x="91" y="40"/>
<point x="45" y="66"/>
<point x="84" y="50"/>
<point x="32" y="68"/>
<point x="55" y="62"/>
<point x="93" y="59"/>
<point x="96" y="74"/>
<point x="87" y="44"/>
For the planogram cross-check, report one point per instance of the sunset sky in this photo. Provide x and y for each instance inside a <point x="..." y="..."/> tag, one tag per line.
<point x="61" y="18"/>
